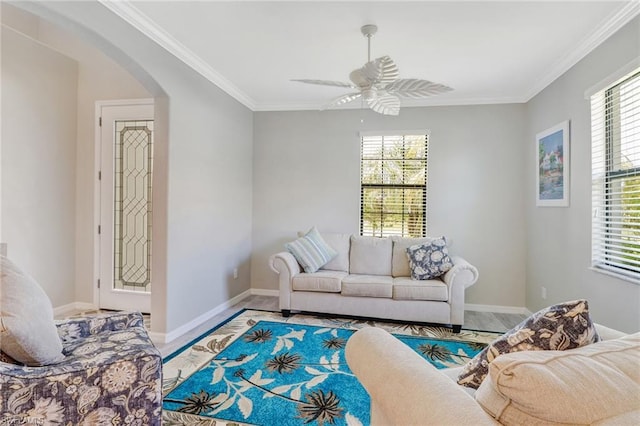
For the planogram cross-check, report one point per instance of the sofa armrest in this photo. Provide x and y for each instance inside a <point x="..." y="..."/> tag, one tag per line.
<point x="458" y="279"/>
<point x="404" y="388"/>
<point x="287" y="267"/>
<point x="284" y="262"/>
<point x="462" y="272"/>
<point x="75" y="328"/>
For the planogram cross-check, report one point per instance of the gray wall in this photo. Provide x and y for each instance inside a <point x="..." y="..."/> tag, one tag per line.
<point x="202" y="169"/>
<point x="307" y="170"/>
<point x="39" y="98"/>
<point x="559" y="239"/>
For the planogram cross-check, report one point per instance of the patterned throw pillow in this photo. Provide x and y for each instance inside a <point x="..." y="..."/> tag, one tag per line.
<point x="311" y="251"/>
<point x="558" y="327"/>
<point x="429" y="260"/>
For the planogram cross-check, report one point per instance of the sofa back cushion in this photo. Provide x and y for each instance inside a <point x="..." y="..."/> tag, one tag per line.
<point x="370" y="255"/>
<point x="591" y="384"/>
<point x="399" y="259"/>
<point x="340" y="243"/>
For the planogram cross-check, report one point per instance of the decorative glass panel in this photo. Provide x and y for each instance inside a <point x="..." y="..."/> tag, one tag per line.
<point x="132" y="211"/>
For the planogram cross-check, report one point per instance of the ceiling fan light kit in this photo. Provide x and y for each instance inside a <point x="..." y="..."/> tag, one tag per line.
<point x="378" y="83"/>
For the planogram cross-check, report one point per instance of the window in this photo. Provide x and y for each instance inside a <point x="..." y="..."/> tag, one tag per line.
<point x="393" y="185"/>
<point x="615" y="156"/>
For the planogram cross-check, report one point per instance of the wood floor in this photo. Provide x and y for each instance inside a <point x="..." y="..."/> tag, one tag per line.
<point x="472" y="320"/>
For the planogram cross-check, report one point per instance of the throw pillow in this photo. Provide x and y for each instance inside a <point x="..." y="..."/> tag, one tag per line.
<point x="27" y="331"/>
<point x="399" y="259"/>
<point x="311" y="251"/>
<point x="429" y="260"/>
<point x="558" y="327"/>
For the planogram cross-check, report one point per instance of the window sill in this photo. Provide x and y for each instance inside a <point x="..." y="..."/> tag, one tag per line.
<point x="616" y="274"/>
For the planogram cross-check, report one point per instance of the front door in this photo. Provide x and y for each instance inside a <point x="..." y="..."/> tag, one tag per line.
<point x="126" y="164"/>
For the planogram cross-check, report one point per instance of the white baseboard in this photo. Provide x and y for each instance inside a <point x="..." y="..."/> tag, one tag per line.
<point x="497" y="309"/>
<point x="264" y="292"/>
<point x="73" y="307"/>
<point x="185" y="328"/>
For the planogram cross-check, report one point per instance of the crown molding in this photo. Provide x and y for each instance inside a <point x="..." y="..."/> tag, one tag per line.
<point x="610" y="25"/>
<point x="133" y="15"/>
<point x="431" y="102"/>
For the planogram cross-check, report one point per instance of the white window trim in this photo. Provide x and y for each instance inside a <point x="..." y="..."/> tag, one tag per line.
<point x="605" y="85"/>
<point x="613" y="79"/>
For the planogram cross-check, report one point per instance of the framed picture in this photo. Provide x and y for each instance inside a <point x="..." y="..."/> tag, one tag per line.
<point x="552" y="177"/>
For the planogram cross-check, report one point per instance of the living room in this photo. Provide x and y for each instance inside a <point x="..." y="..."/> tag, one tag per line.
<point x="283" y="172"/>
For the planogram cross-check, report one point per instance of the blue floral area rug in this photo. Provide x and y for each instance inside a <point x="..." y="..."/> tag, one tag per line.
<point x="262" y="369"/>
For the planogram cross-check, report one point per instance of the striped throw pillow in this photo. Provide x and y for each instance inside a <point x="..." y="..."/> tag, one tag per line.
<point x="311" y="251"/>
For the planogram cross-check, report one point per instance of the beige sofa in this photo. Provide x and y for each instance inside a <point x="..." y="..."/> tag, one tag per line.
<point x="371" y="277"/>
<point x="595" y="384"/>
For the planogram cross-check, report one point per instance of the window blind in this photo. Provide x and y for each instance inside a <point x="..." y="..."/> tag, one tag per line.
<point x="393" y="185"/>
<point x="615" y="156"/>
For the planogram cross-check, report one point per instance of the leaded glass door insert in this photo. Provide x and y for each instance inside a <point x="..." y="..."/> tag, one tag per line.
<point x="125" y="176"/>
<point x="133" y="164"/>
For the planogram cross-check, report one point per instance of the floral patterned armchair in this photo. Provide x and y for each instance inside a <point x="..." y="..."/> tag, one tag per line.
<point x="112" y="374"/>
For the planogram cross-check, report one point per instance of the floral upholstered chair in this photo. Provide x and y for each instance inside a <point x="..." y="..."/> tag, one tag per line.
<point x="111" y="374"/>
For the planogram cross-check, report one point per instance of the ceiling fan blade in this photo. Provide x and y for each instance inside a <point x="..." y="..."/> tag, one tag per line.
<point x="341" y="100"/>
<point x="386" y="104"/>
<point x="328" y="83"/>
<point x="416" y="89"/>
<point x="381" y="71"/>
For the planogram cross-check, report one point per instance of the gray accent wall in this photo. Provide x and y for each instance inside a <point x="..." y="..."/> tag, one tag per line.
<point x="558" y="242"/>
<point x="307" y="170"/>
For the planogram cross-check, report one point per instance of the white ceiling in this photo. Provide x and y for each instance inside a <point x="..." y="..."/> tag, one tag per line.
<point x="488" y="51"/>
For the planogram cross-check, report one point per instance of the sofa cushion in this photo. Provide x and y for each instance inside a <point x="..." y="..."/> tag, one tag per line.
<point x="311" y="251"/>
<point x="367" y="285"/>
<point x="590" y="384"/>
<point x="429" y="260"/>
<point x="558" y="327"/>
<point x="323" y="281"/>
<point x="405" y="288"/>
<point x="399" y="258"/>
<point x="27" y="331"/>
<point x="370" y="256"/>
<point x="341" y="244"/>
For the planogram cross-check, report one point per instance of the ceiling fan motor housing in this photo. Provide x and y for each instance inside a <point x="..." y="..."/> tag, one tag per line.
<point x="358" y="78"/>
<point x="369" y="30"/>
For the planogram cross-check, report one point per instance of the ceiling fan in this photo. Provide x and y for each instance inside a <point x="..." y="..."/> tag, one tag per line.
<point x="378" y="83"/>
